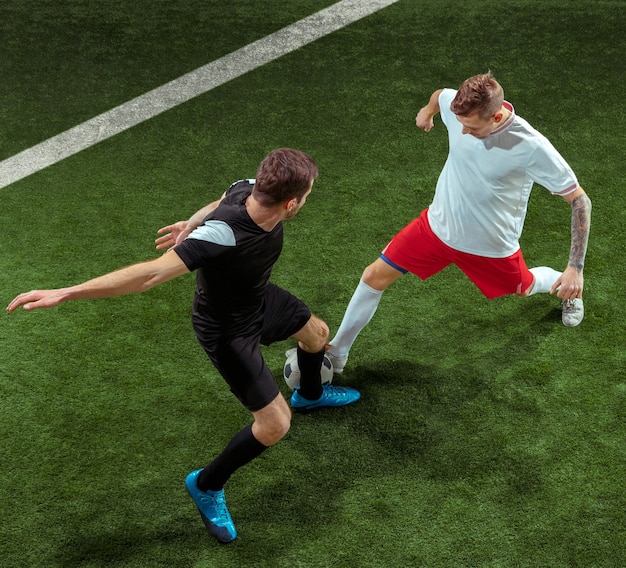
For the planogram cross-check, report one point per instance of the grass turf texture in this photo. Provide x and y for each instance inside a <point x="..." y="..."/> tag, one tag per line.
<point x="488" y="433"/>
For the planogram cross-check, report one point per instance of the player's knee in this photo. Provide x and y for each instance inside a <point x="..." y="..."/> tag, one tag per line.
<point x="379" y="275"/>
<point x="285" y="425"/>
<point x="272" y="422"/>
<point x="281" y="427"/>
<point x="369" y="275"/>
<point x="272" y="431"/>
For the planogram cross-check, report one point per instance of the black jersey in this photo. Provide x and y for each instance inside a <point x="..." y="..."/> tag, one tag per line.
<point x="233" y="257"/>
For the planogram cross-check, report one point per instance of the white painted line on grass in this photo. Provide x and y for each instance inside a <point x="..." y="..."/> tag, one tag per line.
<point x="186" y="87"/>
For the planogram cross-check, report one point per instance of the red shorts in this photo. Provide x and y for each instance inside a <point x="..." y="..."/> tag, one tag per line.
<point x="418" y="250"/>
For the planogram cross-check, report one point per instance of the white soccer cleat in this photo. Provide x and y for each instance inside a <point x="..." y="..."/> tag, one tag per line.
<point x="573" y="312"/>
<point x="338" y="362"/>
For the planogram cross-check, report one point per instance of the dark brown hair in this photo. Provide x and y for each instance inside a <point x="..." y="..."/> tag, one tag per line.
<point x="283" y="174"/>
<point x="481" y="94"/>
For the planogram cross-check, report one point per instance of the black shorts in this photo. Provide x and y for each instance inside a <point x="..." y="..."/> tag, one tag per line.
<point x="239" y="359"/>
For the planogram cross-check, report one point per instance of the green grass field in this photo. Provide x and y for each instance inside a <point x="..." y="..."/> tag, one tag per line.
<point x="488" y="435"/>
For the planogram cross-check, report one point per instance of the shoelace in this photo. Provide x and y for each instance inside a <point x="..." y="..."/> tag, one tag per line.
<point x="218" y="501"/>
<point x="335" y="391"/>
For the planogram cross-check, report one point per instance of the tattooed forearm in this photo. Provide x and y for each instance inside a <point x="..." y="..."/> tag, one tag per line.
<point x="581" y="221"/>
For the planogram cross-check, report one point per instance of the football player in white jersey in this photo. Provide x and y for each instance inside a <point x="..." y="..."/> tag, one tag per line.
<point x="478" y="211"/>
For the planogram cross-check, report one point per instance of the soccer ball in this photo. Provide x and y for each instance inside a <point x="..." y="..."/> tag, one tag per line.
<point x="291" y="372"/>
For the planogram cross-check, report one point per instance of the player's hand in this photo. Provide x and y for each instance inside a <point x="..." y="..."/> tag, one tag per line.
<point x="424" y="120"/>
<point x="570" y="284"/>
<point x="37" y="299"/>
<point x="172" y="235"/>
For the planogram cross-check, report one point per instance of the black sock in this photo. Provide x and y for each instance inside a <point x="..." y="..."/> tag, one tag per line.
<point x="310" y="365"/>
<point x="242" y="448"/>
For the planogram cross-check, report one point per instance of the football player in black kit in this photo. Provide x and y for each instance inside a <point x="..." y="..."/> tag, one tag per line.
<point x="233" y="243"/>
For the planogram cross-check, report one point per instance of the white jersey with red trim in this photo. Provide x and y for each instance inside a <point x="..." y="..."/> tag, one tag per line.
<point x="483" y="190"/>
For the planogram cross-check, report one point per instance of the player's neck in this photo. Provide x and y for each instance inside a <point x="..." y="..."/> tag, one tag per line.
<point x="265" y="217"/>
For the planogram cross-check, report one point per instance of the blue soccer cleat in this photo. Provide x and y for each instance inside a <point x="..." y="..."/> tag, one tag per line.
<point x="331" y="396"/>
<point x="213" y="510"/>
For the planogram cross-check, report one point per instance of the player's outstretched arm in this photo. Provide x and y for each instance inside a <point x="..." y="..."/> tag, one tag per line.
<point x="136" y="278"/>
<point x="570" y="284"/>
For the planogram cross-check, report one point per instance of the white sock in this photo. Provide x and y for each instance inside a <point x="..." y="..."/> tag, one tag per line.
<point x="544" y="278"/>
<point x="359" y="312"/>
